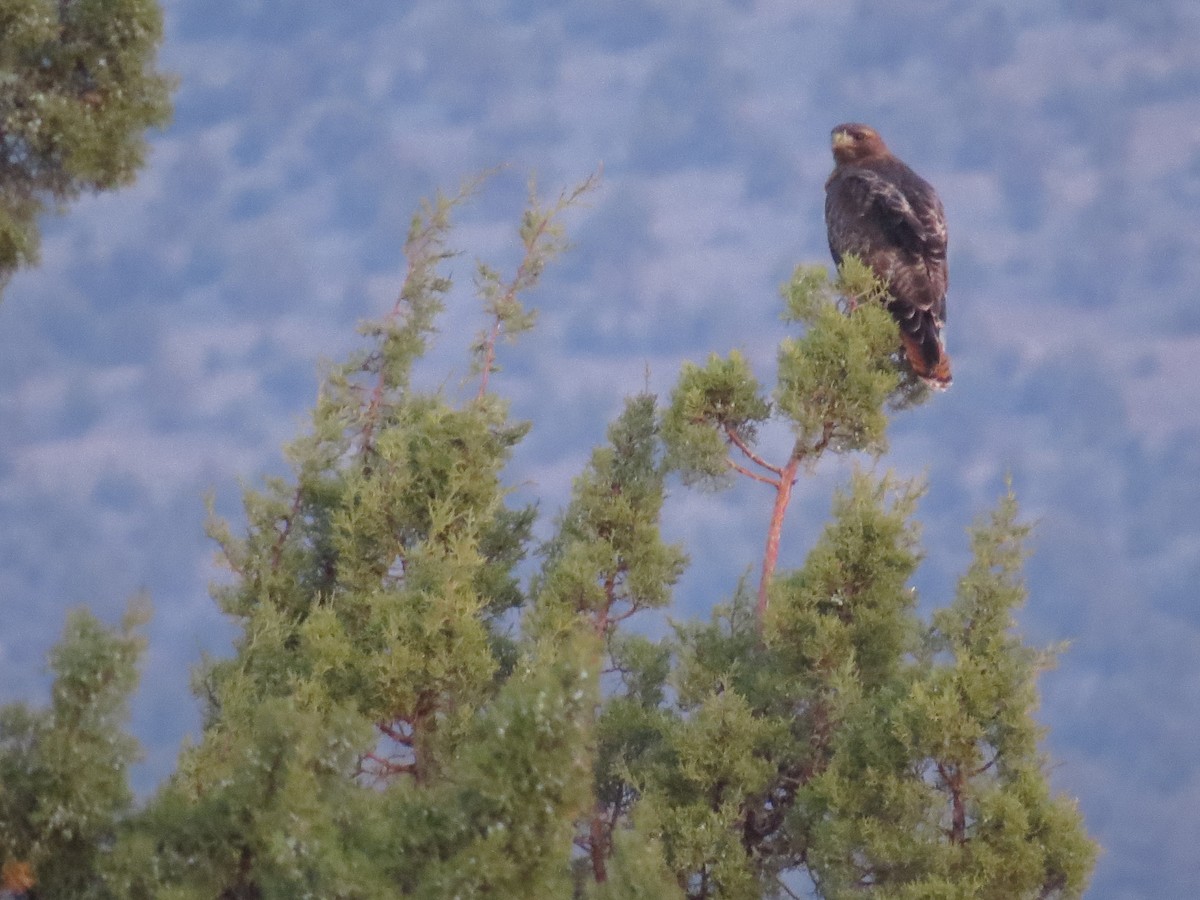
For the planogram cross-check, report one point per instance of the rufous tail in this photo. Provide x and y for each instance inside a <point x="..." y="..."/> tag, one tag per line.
<point x="933" y="370"/>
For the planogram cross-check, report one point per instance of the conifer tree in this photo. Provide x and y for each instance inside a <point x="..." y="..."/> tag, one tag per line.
<point x="377" y="730"/>
<point x="607" y="563"/>
<point x="64" y="785"/>
<point x="405" y="716"/>
<point x="831" y="737"/>
<point x="78" y="91"/>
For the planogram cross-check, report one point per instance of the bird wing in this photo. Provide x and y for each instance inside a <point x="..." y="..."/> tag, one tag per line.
<point x="910" y="210"/>
<point x="879" y="211"/>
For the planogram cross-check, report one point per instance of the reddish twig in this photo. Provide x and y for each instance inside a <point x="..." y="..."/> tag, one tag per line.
<point x="633" y="610"/>
<point x="773" y="482"/>
<point x="987" y="765"/>
<point x="371" y="415"/>
<point x="734" y="438"/>
<point x="281" y="538"/>
<point x="395" y="734"/>
<point x="783" y="496"/>
<point x="598" y="845"/>
<point x="958" y="807"/>
<point x="489" y="359"/>
<point x="390" y="766"/>
<point x="819" y="446"/>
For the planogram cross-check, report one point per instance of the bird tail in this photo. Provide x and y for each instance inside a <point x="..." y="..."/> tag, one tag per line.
<point x="928" y="358"/>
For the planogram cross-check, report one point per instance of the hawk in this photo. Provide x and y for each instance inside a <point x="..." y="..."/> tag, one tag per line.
<point x="888" y="216"/>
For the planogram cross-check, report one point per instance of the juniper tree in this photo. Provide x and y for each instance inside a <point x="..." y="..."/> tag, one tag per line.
<point x="607" y="563"/>
<point x="834" y="382"/>
<point x="825" y="734"/>
<point x="64" y="786"/>
<point x="404" y="715"/>
<point x="377" y="730"/>
<point x="78" y="90"/>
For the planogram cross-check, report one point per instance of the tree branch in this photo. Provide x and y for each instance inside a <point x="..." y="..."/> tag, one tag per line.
<point x="526" y="276"/>
<point x="395" y="734"/>
<point x="281" y="539"/>
<point x="754" y="475"/>
<point x="734" y="438"/>
<point x="958" y="808"/>
<point x="598" y="844"/>
<point x="783" y="496"/>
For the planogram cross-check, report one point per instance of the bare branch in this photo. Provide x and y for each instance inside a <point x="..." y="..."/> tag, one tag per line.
<point x="736" y="439"/>
<point x="749" y="474"/>
<point x="281" y="539"/>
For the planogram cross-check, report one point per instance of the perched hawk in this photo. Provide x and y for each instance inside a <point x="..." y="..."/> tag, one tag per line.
<point x="883" y="212"/>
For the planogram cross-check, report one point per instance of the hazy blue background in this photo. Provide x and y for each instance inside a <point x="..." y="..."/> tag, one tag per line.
<point x="169" y="342"/>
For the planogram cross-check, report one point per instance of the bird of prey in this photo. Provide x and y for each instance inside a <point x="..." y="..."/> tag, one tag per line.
<point x="887" y="215"/>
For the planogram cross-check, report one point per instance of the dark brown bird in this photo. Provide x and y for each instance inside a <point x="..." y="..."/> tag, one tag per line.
<point x="888" y="216"/>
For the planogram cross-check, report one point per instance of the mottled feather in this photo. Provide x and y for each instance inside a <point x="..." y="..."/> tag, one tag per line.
<point x="883" y="212"/>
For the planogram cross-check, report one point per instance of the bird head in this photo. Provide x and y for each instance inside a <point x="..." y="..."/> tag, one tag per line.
<point x="853" y="141"/>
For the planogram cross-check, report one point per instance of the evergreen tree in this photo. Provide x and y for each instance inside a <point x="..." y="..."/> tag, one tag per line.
<point x="405" y="716"/>
<point x="64" y="785"/>
<point x="378" y="730"/>
<point x="78" y="90"/>
<point x="830" y="736"/>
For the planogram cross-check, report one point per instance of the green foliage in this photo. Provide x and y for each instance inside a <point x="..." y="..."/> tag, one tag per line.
<point x="849" y="601"/>
<point x="373" y="561"/>
<point x="709" y="407"/>
<point x="637" y="871"/>
<point x="718" y="762"/>
<point x="835" y="380"/>
<point x="934" y="786"/>
<point x="403" y="717"/>
<point x="831" y="734"/>
<point x="78" y="90"/>
<point x="500" y="822"/>
<point x="543" y="237"/>
<point x="261" y="805"/>
<point x="608" y="559"/>
<point x="856" y="282"/>
<point x="833" y="384"/>
<point x="64" y="770"/>
<point x="373" y="681"/>
<point x="857" y="748"/>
